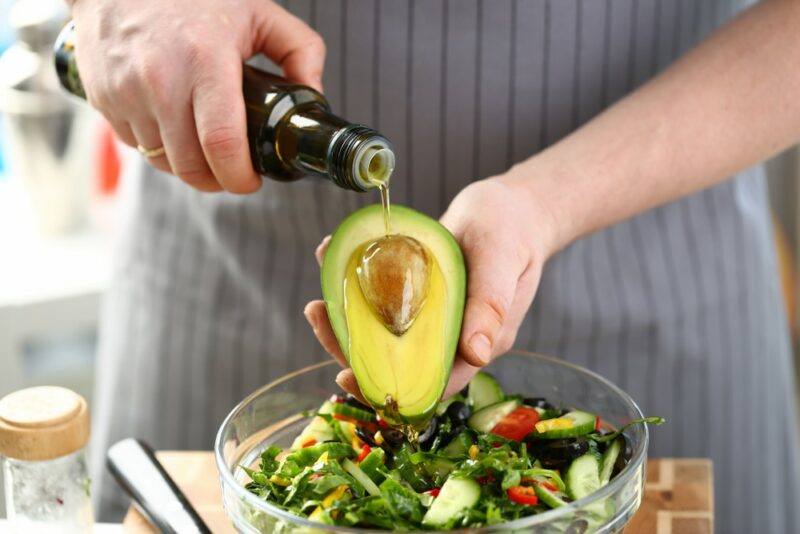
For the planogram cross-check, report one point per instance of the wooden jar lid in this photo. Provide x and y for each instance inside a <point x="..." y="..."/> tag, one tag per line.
<point x="43" y="423"/>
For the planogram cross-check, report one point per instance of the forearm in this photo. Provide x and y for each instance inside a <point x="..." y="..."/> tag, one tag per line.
<point x="731" y="102"/>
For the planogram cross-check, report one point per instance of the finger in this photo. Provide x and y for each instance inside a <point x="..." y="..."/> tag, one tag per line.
<point x="221" y="126"/>
<point x="317" y="317"/>
<point x="490" y="292"/>
<point x="292" y="44"/>
<point x="460" y="376"/>
<point x="347" y="381"/>
<point x="148" y="136"/>
<point x="123" y="131"/>
<point x="523" y="296"/>
<point x="183" y="149"/>
<point x="321" y="248"/>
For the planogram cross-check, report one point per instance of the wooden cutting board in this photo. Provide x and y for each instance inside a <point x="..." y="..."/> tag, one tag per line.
<point x="679" y="495"/>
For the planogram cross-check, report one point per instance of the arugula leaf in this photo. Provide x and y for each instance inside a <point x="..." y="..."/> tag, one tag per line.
<point x="603" y="438"/>
<point x="403" y="503"/>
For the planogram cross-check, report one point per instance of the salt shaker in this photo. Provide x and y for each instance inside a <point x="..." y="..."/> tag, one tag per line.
<point x="43" y="436"/>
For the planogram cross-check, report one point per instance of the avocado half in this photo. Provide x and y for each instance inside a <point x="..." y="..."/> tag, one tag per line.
<point x="410" y="370"/>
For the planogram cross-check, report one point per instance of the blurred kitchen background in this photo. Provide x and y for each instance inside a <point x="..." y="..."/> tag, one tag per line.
<point x="61" y="173"/>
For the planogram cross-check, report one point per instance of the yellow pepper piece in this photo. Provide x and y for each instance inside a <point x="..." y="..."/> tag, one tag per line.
<point x="316" y="515"/>
<point x="559" y="423"/>
<point x="378" y="438"/>
<point x="280" y="481"/>
<point x="327" y="502"/>
<point x="473" y="451"/>
<point x="334" y="496"/>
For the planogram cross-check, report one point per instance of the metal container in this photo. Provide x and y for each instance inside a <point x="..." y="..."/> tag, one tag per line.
<point x="47" y="136"/>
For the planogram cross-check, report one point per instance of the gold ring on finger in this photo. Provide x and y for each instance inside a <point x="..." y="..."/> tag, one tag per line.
<point x="151" y="152"/>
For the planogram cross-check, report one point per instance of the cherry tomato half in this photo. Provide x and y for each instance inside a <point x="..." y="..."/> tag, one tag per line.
<point x="517" y="424"/>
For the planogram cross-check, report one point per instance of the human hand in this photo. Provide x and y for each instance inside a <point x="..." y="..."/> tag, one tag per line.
<point x="504" y="254"/>
<point x="170" y="74"/>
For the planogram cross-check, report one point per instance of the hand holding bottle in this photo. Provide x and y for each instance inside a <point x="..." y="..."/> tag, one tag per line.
<point x="169" y="74"/>
<point x="504" y="256"/>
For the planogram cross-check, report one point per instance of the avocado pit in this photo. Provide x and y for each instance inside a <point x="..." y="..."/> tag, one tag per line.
<point x="394" y="275"/>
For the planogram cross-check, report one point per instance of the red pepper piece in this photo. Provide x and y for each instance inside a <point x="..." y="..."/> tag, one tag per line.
<point x="365" y="450"/>
<point x="434" y="492"/>
<point x="485" y="479"/>
<point x="546" y="484"/>
<point x="524" y="495"/>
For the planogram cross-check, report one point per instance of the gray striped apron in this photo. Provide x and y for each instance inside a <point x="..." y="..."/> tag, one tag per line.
<point x="679" y="306"/>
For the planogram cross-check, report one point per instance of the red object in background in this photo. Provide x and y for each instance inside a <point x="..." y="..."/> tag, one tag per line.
<point x="107" y="162"/>
<point x="523" y="495"/>
<point x="434" y="492"/>
<point x="517" y="424"/>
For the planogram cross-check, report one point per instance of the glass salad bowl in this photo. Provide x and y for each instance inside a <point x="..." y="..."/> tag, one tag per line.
<point x="273" y="415"/>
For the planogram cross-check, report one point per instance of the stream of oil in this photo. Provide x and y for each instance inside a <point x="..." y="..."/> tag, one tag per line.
<point x="383" y="188"/>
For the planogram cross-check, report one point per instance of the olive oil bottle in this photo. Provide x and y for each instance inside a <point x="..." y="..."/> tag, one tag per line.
<point x="290" y="128"/>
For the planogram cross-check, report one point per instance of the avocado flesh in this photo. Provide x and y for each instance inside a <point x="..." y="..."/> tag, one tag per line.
<point x="411" y="369"/>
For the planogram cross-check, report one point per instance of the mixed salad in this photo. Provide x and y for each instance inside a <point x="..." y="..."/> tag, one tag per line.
<point x="485" y="458"/>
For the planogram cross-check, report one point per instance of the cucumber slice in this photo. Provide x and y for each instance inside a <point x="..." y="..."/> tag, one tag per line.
<point x="372" y="463"/>
<point x="456" y="495"/>
<point x="341" y="408"/>
<point x="438" y="468"/>
<point x="609" y="459"/>
<point x="485" y="420"/>
<point x="583" y="476"/>
<point x="484" y="391"/>
<point x="582" y="424"/>
<point x="550" y="498"/>
<point x="459" y="447"/>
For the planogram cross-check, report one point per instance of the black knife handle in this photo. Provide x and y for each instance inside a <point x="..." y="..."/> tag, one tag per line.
<point x="133" y="463"/>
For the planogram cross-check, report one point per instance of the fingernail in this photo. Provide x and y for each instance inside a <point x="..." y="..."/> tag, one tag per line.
<point x="481" y="347"/>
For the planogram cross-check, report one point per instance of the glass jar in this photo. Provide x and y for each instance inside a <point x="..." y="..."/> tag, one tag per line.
<point x="43" y="436"/>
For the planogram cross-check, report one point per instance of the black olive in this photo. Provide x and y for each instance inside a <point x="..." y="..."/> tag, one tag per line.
<point x="458" y="412"/>
<point x="538" y="402"/>
<point x="352" y="401"/>
<point x="557" y="453"/>
<point x="579" y="447"/>
<point x="365" y="436"/>
<point x="426" y="438"/>
<point x="394" y="438"/>
<point x="623" y="458"/>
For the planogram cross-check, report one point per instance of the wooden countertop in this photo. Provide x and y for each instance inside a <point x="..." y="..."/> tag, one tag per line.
<point x="679" y="495"/>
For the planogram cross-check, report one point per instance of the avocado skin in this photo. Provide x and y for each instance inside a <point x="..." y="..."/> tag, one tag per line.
<point x="367" y="224"/>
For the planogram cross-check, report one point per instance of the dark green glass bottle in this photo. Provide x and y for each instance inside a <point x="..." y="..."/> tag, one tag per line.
<point x="290" y="128"/>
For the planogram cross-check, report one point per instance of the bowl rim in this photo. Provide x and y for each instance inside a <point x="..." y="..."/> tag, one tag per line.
<point x="637" y="460"/>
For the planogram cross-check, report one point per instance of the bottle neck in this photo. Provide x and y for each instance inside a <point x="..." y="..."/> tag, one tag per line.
<point x="351" y="156"/>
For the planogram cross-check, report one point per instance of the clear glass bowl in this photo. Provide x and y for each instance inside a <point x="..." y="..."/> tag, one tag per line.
<point x="273" y="415"/>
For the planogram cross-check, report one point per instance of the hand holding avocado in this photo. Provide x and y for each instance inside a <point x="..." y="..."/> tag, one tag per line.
<point x="504" y="258"/>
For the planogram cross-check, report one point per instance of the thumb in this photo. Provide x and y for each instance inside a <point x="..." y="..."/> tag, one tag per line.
<point x="490" y="292"/>
<point x="291" y="44"/>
